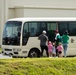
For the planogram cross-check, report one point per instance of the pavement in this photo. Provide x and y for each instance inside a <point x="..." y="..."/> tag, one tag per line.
<point x="4" y="57"/>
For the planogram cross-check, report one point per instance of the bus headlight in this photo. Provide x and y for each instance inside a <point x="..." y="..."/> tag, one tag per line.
<point x="16" y="50"/>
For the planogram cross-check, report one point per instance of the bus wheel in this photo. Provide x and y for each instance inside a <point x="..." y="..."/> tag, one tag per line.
<point x="14" y="57"/>
<point x="34" y="53"/>
<point x="10" y="54"/>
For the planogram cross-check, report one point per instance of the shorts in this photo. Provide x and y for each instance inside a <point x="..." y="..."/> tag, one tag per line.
<point x="59" y="52"/>
<point x="54" y="51"/>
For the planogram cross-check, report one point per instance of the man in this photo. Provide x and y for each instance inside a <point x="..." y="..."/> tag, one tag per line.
<point x="43" y="42"/>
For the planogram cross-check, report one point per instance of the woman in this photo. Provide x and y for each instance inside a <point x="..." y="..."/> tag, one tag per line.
<point x="65" y="40"/>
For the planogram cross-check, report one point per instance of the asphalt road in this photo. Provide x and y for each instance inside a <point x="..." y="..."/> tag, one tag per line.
<point x="4" y="57"/>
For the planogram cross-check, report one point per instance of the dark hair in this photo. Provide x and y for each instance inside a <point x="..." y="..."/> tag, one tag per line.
<point x="56" y="31"/>
<point x="66" y="32"/>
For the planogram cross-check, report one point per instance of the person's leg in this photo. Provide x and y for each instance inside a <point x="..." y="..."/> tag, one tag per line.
<point x="65" y="49"/>
<point x="42" y="49"/>
<point x="56" y="52"/>
<point x="60" y="53"/>
<point x="56" y="49"/>
<point x="51" y="54"/>
<point x="54" y="55"/>
<point x="46" y="48"/>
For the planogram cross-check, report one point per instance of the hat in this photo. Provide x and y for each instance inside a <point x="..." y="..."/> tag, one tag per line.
<point x="44" y="32"/>
<point x="66" y="32"/>
<point x="56" y="31"/>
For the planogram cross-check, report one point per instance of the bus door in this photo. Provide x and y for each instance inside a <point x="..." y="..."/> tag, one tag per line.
<point x="52" y="26"/>
<point x="25" y="34"/>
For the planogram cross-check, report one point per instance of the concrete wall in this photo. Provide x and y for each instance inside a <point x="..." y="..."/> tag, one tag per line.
<point x="49" y="12"/>
<point x="45" y="3"/>
<point x="35" y="8"/>
<point x="45" y="8"/>
<point x="3" y="15"/>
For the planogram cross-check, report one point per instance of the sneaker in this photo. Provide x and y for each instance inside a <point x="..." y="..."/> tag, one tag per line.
<point x="50" y="57"/>
<point x="56" y="57"/>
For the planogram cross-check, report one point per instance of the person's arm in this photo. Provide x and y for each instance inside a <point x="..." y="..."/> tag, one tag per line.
<point x="47" y="40"/>
<point x="68" y="37"/>
<point x="62" y="47"/>
<point x="39" y="37"/>
<point x="56" y="37"/>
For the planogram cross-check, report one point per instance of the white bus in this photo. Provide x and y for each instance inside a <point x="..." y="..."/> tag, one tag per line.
<point x="20" y="36"/>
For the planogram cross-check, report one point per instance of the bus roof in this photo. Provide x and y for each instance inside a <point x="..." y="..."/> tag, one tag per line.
<point x="43" y="19"/>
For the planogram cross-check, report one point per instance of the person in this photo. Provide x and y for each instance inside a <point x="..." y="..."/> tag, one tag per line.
<point x="50" y="48"/>
<point x="60" y="48"/>
<point x="51" y="35"/>
<point x="65" y="41"/>
<point x="43" y="42"/>
<point x="57" y="40"/>
<point x="54" y="50"/>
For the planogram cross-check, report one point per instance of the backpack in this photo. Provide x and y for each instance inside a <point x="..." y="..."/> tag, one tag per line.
<point x="59" y="38"/>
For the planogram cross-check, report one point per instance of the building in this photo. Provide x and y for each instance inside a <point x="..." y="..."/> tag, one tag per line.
<point x="35" y="8"/>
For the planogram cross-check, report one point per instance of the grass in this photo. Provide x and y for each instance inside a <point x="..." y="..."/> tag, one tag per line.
<point x="0" y="50"/>
<point x="38" y="66"/>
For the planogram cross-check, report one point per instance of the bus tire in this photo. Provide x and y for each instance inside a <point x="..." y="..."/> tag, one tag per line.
<point x="14" y="57"/>
<point x="34" y="53"/>
<point x="10" y="54"/>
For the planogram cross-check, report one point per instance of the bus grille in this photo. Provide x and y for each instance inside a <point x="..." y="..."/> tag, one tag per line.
<point x="8" y="49"/>
<point x="15" y="52"/>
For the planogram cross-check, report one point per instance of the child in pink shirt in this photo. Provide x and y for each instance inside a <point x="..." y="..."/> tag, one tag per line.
<point x="50" y="47"/>
<point x="60" y="48"/>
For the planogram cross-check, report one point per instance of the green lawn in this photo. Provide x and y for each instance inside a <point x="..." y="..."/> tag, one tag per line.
<point x="38" y="66"/>
<point x="0" y="50"/>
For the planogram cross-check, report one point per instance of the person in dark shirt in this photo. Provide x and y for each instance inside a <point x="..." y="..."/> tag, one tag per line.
<point x="43" y="42"/>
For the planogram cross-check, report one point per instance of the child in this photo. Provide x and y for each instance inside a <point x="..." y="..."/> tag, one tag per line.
<point x="50" y="47"/>
<point x="60" y="48"/>
<point x="54" y="50"/>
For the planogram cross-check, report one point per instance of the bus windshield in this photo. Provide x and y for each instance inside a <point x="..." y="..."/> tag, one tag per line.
<point x="12" y="32"/>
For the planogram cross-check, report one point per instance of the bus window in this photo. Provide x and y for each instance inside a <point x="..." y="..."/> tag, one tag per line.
<point x="72" y="28"/>
<point x="43" y="26"/>
<point x="36" y="28"/>
<point x="11" y="31"/>
<point x="62" y="26"/>
<point x="32" y="28"/>
<point x="51" y="31"/>
<point x="40" y="27"/>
